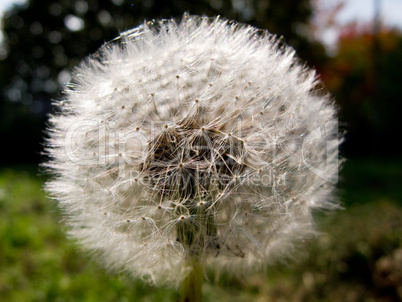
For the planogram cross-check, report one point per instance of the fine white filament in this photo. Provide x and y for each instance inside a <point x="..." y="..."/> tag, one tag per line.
<point x="200" y="139"/>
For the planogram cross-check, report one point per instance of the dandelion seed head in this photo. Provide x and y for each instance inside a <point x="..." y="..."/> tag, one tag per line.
<point x="202" y="138"/>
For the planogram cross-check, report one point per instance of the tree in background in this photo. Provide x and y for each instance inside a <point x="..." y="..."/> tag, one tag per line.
<point x="45" y="39"/>
<point x="364" y="77"/>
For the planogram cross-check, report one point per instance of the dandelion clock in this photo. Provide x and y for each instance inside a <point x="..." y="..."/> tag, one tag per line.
<point x="183" y="146"/>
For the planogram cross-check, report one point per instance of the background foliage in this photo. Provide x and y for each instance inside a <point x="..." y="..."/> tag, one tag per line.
<point x="363" y="77"/>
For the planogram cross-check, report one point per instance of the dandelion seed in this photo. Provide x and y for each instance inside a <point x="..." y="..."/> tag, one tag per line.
<point x="202" y="155"/>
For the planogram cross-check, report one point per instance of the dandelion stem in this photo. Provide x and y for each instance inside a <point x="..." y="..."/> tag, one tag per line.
<point x="191" y="288"/>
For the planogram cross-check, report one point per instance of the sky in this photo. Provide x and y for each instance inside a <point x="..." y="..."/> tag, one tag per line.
<point x="391" y="11"/>
<point x="4" y="4"/>
<point x="360" y="10"/>
<point x="363" y="11"/>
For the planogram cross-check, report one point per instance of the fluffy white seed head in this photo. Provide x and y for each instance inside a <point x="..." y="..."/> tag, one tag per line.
<point x="204" y="139"/>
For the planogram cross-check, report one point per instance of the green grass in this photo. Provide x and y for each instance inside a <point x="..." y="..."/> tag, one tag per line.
<point x="358" y="257"/>
<point x="367" y="181"/>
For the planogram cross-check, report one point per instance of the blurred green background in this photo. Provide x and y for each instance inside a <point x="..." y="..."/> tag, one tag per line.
<point x="358" y="256"/>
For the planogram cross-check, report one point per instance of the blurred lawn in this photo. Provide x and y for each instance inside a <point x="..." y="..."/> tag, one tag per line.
<point x="357" y="258"/>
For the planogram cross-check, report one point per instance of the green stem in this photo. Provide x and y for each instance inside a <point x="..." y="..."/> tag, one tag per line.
<point x="191" y="288"/>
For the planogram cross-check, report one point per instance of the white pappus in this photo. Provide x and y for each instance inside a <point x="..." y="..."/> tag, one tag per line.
<point x="200" y="139"/>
